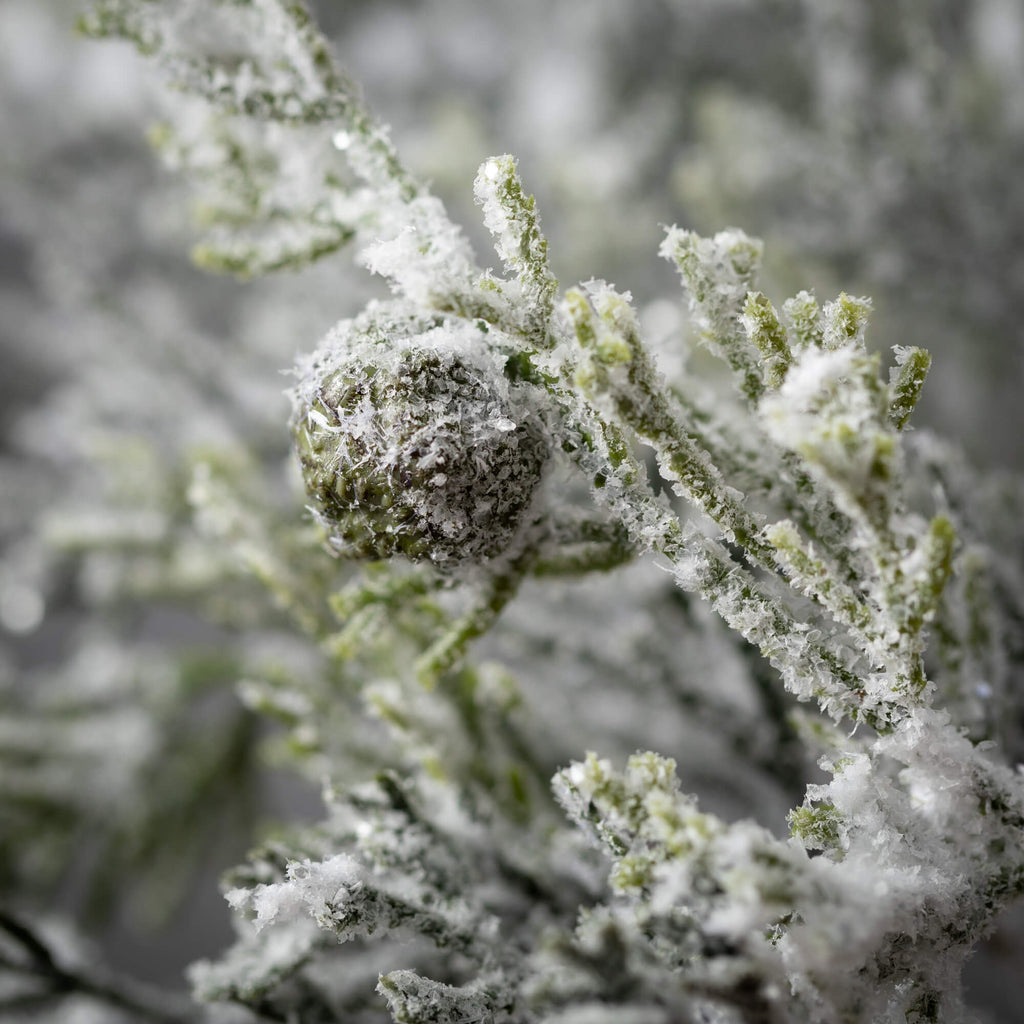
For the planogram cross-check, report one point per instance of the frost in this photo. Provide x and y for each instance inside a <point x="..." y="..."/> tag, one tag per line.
<point x="408" y="448"/>
<point x="318" y="889"/>
<point x="510" y="532"/>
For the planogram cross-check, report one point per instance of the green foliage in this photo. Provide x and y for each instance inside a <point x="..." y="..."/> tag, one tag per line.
<point x="485" y="459"/>
<point x="268" y="88"/>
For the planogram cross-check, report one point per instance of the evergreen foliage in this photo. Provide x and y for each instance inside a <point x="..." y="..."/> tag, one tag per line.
<point x="518" y="507"/>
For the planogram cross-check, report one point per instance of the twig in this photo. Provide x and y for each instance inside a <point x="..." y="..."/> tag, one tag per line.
<point x="151" y="1005"/>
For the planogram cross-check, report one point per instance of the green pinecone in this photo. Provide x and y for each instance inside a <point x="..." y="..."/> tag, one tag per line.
<point x="413" y="440"/>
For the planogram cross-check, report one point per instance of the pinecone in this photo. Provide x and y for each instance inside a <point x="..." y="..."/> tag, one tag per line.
<point x="414" y="441"/>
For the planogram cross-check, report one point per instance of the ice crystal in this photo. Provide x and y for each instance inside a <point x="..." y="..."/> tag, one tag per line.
<point x="520" y="524"/>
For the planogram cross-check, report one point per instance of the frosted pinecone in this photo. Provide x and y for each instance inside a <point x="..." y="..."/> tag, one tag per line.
<point x="413" y="439"/>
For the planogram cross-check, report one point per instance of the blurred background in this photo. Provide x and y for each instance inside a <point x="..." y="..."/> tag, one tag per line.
<point x="875" y="145"/>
